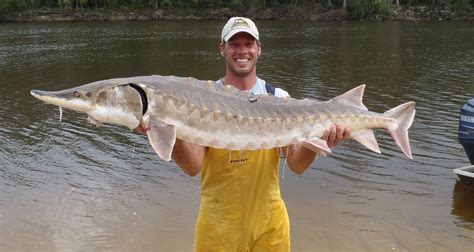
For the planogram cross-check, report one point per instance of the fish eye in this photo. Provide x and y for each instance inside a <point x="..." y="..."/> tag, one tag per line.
<point x="88" y="95"/>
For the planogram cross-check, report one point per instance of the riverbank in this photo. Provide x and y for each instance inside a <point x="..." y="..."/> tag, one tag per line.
<point x="315" y="13"/>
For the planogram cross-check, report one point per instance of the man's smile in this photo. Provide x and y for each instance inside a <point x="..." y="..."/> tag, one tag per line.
<point x="242" y="61"/>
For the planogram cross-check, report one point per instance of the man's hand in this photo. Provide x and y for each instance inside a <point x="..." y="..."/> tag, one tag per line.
<point x="142" y="129"/>
<point x="300" y="158"/>
<point x="335" y="134"/>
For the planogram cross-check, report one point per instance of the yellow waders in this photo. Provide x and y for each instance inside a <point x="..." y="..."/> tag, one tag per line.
<point x="241" y="205"/>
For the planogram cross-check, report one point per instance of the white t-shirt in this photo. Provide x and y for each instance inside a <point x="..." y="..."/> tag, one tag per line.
<point x="259" y="88"/>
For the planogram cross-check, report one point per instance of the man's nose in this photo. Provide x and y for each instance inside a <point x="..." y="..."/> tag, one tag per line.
<point x="242" y="50"/>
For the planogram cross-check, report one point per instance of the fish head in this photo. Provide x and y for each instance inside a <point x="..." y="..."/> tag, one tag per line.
<point x="74" y="98"/>
<point x="109" y="101"/>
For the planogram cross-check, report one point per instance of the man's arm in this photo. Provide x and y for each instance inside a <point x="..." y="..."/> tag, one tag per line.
<point x="188" y="156"/>
<point x="299" y="158"/>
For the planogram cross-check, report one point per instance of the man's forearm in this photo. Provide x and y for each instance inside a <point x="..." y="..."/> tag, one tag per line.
<point x="188" y="156"/>
<point x="299" y="158"/>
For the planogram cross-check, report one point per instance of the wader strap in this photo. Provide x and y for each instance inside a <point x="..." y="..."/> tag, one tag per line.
<point x="270" y="89"/>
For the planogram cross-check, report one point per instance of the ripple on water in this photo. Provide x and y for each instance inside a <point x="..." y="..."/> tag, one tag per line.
<point x="71" y="186"/>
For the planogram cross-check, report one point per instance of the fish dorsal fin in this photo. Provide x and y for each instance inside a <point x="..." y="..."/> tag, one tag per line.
<point x="353" y="97"/>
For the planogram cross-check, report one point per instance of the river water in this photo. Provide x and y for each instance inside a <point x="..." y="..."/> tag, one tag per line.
<point x="72" y="187"/>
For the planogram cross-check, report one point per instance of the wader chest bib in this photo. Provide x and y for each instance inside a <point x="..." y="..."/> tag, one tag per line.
<point x="241" y="205"/>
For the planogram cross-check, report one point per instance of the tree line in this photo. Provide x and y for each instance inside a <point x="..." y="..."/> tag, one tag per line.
<point x="357" y="8"/>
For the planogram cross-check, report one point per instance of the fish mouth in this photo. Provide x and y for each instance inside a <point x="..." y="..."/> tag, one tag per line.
<point x="64" y="99"/>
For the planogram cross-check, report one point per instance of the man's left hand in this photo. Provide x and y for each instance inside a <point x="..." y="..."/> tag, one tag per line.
<point x="335" y="134"/>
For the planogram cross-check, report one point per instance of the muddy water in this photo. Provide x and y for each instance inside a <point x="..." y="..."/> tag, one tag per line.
<point x="69" y="186"/>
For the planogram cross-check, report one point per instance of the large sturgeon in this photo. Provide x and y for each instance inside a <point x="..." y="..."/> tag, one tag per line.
<point x="205" y="113"/>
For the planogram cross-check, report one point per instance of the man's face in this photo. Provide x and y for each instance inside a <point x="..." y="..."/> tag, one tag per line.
<point x="241" y="53"/>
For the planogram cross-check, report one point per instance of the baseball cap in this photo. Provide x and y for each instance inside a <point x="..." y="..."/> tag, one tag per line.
<point x="236" y="25"/>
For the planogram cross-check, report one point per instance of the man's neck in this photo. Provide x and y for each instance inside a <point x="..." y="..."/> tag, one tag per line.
<point x="242" y="83"/>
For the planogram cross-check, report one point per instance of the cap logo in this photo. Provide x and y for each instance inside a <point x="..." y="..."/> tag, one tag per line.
<point x="240" y="22"/>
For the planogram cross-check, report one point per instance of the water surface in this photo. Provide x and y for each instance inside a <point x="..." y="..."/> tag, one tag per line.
<point x="71" y="186"/>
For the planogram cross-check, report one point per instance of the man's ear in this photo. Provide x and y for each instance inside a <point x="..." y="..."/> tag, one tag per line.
<point x="221" y="49"/>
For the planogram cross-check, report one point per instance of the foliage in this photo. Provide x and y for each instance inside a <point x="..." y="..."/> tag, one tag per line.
<point x="235" y="4"/>
<point x="362" y="9"/>
<point x="357" y="8"/>
<point x="455" y="4"/>
<point x="12" y="5"/>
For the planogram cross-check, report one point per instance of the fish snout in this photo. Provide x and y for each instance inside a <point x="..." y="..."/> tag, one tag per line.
<point x="66" y="98"/>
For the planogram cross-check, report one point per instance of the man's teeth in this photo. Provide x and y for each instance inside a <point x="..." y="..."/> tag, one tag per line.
<point x="242" y="60"/>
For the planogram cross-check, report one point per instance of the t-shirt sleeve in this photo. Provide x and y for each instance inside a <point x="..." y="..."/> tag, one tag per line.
<point x="281" y="93"/>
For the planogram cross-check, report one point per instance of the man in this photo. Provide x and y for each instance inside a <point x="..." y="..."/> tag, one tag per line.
<point x="241" y="206"/>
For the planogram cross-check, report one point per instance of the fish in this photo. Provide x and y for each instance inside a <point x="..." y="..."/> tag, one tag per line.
<point x="221" y="116"/>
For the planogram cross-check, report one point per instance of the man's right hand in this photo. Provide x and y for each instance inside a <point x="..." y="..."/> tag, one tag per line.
<point x="142" y="129"/>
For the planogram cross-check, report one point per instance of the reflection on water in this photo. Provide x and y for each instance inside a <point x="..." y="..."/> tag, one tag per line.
<point x="463" y="204"/>
<point x="71" y="186"/>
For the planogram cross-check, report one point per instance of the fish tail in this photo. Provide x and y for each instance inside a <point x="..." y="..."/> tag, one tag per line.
<point x="403" y="115"/>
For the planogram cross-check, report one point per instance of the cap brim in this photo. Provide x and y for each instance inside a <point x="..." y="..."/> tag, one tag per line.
<point x="232" y="33"/>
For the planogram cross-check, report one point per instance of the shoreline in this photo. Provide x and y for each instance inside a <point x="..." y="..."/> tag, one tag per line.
<point x="414" y="13"/>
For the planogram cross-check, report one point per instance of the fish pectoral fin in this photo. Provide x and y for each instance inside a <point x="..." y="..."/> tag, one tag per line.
<point x="317" y="145"/>
<point x="366" y="137"/>
<point x="162" y="137"/>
